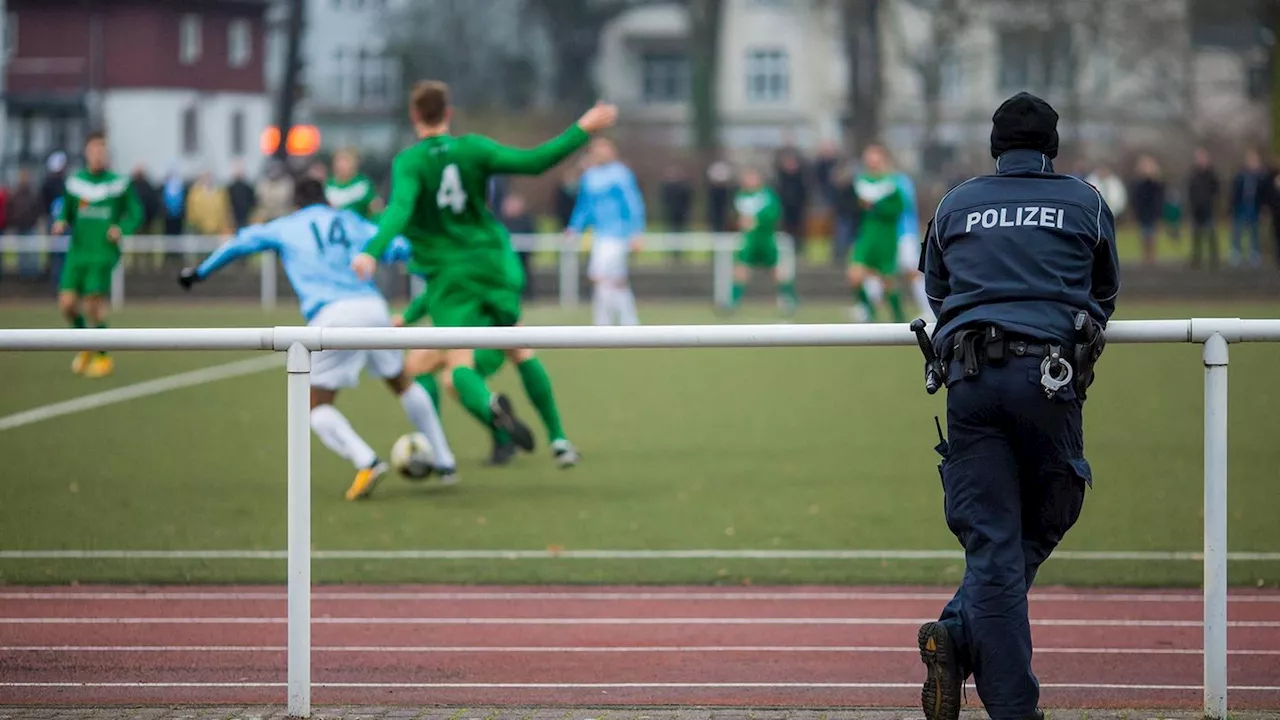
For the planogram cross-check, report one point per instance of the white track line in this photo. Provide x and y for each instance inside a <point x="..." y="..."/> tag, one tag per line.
<point x="610" y="596"/>
<point x="608" y="686"/>
<point x="523" y="649"/>
<point x="537" y="621"/>
<point x="141" y="390"/>
<point x="1085" y="555"/>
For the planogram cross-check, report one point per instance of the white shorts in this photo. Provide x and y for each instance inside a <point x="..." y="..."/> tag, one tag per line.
<point x="908" y="253"/>
<point x="337" y="369"/>
<point x="608" y="259"/>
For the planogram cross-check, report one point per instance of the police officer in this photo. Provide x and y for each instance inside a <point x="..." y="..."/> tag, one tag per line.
<point x="1021" y="271"/>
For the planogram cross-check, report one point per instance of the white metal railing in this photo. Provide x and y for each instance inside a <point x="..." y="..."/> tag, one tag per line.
<point x="299" y="342"/>
<point x="721" y="245"/>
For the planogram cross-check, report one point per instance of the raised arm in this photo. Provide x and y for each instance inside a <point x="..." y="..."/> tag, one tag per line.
<point x="249" y="241"/>
<point x="635" y="204"/>
<point x="406" y="185"/>
<point x="505" y="160"/>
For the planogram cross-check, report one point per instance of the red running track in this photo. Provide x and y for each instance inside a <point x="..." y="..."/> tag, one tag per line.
<point x="800" y="647"/>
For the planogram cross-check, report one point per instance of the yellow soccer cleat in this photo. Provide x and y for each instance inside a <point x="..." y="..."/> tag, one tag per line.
<point x="81" y="363"/>
<point x="366" y="480"/>
<point x="100" y="366"/>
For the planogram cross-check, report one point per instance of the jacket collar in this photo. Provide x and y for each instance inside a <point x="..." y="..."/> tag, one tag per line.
<point x="1021" y="161"/>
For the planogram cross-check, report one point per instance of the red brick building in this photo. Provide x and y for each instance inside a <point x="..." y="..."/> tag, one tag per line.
<point x="175" y="83"/>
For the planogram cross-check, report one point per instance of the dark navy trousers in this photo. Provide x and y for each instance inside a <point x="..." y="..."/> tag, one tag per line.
<point x="1014" y="476"/>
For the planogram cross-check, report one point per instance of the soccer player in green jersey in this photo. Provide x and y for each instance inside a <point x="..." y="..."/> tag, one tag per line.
<point x="875" y="253"/>
<point x="758" y="215"/>
<point x="99" y="208"/>
<point x="439" y="204"/>
<point x="348" y="189"/>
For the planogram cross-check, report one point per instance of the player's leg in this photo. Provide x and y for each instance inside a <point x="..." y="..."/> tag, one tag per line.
<point x="741" y="276"/>
<point x="863" y="309"/>
<point x="909" y="270"/>
<point x="491" y="409"/>
<point x="488" y="363"/>
<point x="601" y="293"/>
<point x="421" y="412"/>
<point x="893" y="297"/>
<point x="96" y="290"/>
<point x="537" y="386"/>
<point x="332" y="427"/>
<point x="70" y="283"/>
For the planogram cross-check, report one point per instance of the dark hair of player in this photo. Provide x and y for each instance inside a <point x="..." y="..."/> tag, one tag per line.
<point x="308" y="192"/>
<point x="430" y="102"/>
<point x="95" y="136"/>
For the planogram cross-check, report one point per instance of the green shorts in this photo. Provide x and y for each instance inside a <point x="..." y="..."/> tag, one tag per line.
<point x="460" y="304"/>
<point x="86" y="278"/>
<point x="879" y="256"/>
<point x="758" y="255"/>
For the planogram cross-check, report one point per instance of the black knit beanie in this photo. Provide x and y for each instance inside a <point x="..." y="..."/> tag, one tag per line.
<point x="1024" y="122"/>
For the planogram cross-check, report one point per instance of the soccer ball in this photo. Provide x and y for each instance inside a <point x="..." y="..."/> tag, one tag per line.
<point x="413" y="457"/>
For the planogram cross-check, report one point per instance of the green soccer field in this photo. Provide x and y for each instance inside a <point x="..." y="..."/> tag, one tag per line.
<point x="761" y="449"/>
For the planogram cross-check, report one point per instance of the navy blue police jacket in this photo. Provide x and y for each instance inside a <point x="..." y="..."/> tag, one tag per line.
<point x="1025" y="249"/>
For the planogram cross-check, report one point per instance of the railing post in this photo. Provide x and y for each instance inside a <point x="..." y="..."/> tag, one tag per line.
<point x="569" y="271"/>
<point x="1215" y="526"/>
<point x="722" y="271"/>
<point x="117" y="276"/>
<point x="298" y="443"/>
<point x="268" y="284"/>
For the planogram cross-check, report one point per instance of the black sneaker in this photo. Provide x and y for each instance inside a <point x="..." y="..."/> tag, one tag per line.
<point x="941" y="695"/>
<point x="501" y="455"/>
<point x="504" y="417"/>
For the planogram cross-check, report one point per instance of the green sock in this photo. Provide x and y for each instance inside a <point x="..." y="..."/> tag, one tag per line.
<point x="474" y="394"/>
<point x="77" y="322"/>
<point x="739" y="289"/>
<point x="428" y="383"/>
<point x="787" y="290"/>
<point x="865" y="301"/>
<point x="102" y="325"/>
<point x="895" y="306"/>
<point x="537" y="385"/>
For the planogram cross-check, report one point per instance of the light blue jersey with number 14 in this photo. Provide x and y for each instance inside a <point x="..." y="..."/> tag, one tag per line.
<point x="315" y="245"/>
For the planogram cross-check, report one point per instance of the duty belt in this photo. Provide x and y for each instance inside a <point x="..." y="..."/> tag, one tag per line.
<point x="989" y="345"/>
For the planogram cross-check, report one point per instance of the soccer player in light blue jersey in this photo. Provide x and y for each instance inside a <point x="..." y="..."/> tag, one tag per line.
<point x="609" y="202"/>
<point x="315" y="245"/>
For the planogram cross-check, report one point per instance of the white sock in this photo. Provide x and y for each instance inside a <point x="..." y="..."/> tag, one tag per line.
<point x="874" y="288"/>
<point x="600" y="306"/>
<point x="922" y="300"/>
<point x="329" y="424"/>
<point x="625" y="304"/>
<point x="418" y="408"/>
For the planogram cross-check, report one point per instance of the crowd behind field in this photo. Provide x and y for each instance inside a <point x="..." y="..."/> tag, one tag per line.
<point x="1220" y="206"/>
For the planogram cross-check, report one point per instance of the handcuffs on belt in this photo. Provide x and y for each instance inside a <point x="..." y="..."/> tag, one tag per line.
<point x="1050" y="381"/>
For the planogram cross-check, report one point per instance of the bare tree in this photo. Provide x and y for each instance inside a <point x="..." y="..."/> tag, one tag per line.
<point x="575" y="27"/>
<point x="705" y="17"/>
<point x="860" y="24"/>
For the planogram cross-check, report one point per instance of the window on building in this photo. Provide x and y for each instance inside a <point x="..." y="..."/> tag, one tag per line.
<point x="665" y="77"/>
<point x="1036" y="60"/>
<point x="239" y="43"/>
<point x="189" y="39"/>
<point x="768" y="75"/>
<point x="10" y="34"/>
<point x="190" y="131"/>
<point x="237" y="133"/>
<point x="374" y="79"/>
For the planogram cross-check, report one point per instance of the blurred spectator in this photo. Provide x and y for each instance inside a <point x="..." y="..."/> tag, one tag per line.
<point x="677" y="202"/>
<point x="824" y="172"/>
<point x="54" y="185"/>
<point x="208" y="208"/>
<point x="1148" y="205"/>
<point x="317" y="171"/>
<point x="1247" y="193"/>
<point x="173" y="196"/>
<point x="515" y="216"/>
<point x="1112" y="189"/>
<point x="4" y="208"/>
<point x="241" y="195"/>
<point x="847" y="214"/>
<point x="25" y="207"/>
<point x="566" y="197"/>
<point x="1203" y="189"/>
<point x="275" y="192"/>
<point x="793" y="194"/>
<point x="148" y="198"/>
<point x="25" y="210"/>
<point x="720" y="192"/>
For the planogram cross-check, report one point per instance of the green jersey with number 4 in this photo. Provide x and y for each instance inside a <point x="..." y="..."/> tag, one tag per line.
<point x="439" y="204"/>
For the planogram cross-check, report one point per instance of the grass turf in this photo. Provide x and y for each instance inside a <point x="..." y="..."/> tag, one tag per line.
<point x="698" y="449"/>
